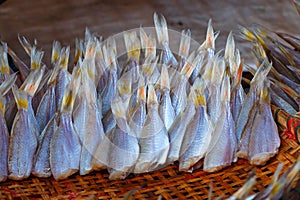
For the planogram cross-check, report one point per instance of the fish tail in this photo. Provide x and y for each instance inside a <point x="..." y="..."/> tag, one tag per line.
<point x="144" y="38"/>
<point x="189" y="66"/>
<point x="185" y="42"/>
<point x="36" y="58"/>
<point x="64" y="57"/>
<point x="4" y="66"/>
<point x="132" y="44"/>
<point x="32" y="82"/>
<point x="276" y="174"/>
<point x="141" y="95"/>
<point x="71" y="91"/>
<point x="90" y="49"/>
<point x="149" y="66"/>
<point x="56" y="48"/>
<point x="161" y="28"/>
<point x="210" y="37"/>
<point x="152" y="99"/>
<point x="239" y="73"/>
<point x="247" y="34"/>
<point x="243" y="192"/>
<point x="225" y="88"/>
<point x="262" y="72"/>
<point x="109" y="53"/>
<point x="118" y="108"/>
<point x="197" y="92"/>
<point x="165" y="82"/>
<point x="230" y="47"/>
<point x="124" y="86"/>
<point x="287" y="55"/>
<point x="25" y="44"/>
<point x="8" y="84"/>
<point x="20" y="97"/>
<point x="151" y="47"/>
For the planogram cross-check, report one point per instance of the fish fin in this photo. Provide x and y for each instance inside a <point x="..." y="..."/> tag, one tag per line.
<point x="118" y="108"/>
<point x="20" y="98"/>
<point x="90" y="49"/>
<point x="143" y="38"/>
<point x="8" y="84"/>
<point x="218" y="70"/>
<point x="185" y="42"/>
<point x="210" y="192"/>
<point x="132" y="44"/>
<point x="64" y="57"/>
<point x="56" y="48"/>
<point x="210" y="37"/>
<point x="32" y="82"/>
<point x="141" y="95"/>
<point x="287" y="55"/>
<point x="265" y="94"/>
<point x="199" y="88"/>
<point x="25" y="44"/>
<point x="246" y="34"/>
<point x="262" y="72"/>
<point x="239" y="74"/>
<point x="276" y="174"/>
<point x="109" y="53"/>
<point x="165" y="82"/>
<point x="151" y="47"/>
<point x="36" y="58"/>
<point x="161" y="28"/>
<point x="188" y="67"/>
<point x="149" y="66"/>
<point x="152" y="99"/>
<point x="230" y="47"/>
<point x="4" y="66"/>
<point x="124" y="86"/>
<point x="225" y="88"/>
<point x="71" y="91"/>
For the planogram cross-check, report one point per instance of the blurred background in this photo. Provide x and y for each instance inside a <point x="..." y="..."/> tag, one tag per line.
<point x="65" y="20"/>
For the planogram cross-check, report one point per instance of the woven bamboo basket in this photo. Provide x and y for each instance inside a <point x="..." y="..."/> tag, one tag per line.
<point x="167" y="182"/>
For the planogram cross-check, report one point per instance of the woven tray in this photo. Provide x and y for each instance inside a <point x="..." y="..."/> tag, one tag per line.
<point x="167" y="182"/>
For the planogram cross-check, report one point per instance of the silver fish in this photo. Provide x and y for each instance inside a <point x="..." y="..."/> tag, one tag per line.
<point x="65" y="146"/>
<point x="222" y="148"/>
<point x="166" y="110"/>
<point x="87" y="121"/>
<point x="154" y="141"/>
<point x="197" y="135"/>
<point x="41" y="167"/>
<point x="23" y="141"/>
<point x="263" y="146"/>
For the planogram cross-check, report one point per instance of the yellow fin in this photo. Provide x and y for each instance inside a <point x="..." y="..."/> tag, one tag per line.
<point x="132" y="44"/>
<point x="36" y="58"/>
<point x="20" y="98"/>
<point x="56" y="48"/>
<point x="4" y="66"/>
<point x="2" y="105"/>
<point x="161" y="29"/>
<point x="64" y="57"/>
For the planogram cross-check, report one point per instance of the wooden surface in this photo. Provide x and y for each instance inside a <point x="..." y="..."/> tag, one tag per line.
<point x="64" y="20"/>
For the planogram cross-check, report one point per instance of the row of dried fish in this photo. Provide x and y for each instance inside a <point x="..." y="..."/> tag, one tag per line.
<point x="135" y="117"/>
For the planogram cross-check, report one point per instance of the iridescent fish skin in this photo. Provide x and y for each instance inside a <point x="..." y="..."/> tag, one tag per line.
<point x="263" y="146"/>
<point x="154" y="141"/>
<point x="41" y="167"/>
<point x="166" y="110"/>
<point x="251" y="97"/>
<point x="222" y="148"/>
<point x="4" y="142"/>
<point x="65" y="146"/>
<point x="177" y="131"/>
<point x="23" y="141"/>
<point x="196" y="139"/>
<point x="87" y="120"/>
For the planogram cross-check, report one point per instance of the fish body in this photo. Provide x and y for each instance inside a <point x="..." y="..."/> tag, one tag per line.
<point x="4" y="140"/>
<point x="177" y="132"/>
<point x="65" y="148"/>
<point x="196" y="140"/>
<point x="23" y="141"/>
<point x="153" y="141"/>
<point x="41" y="167"/>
